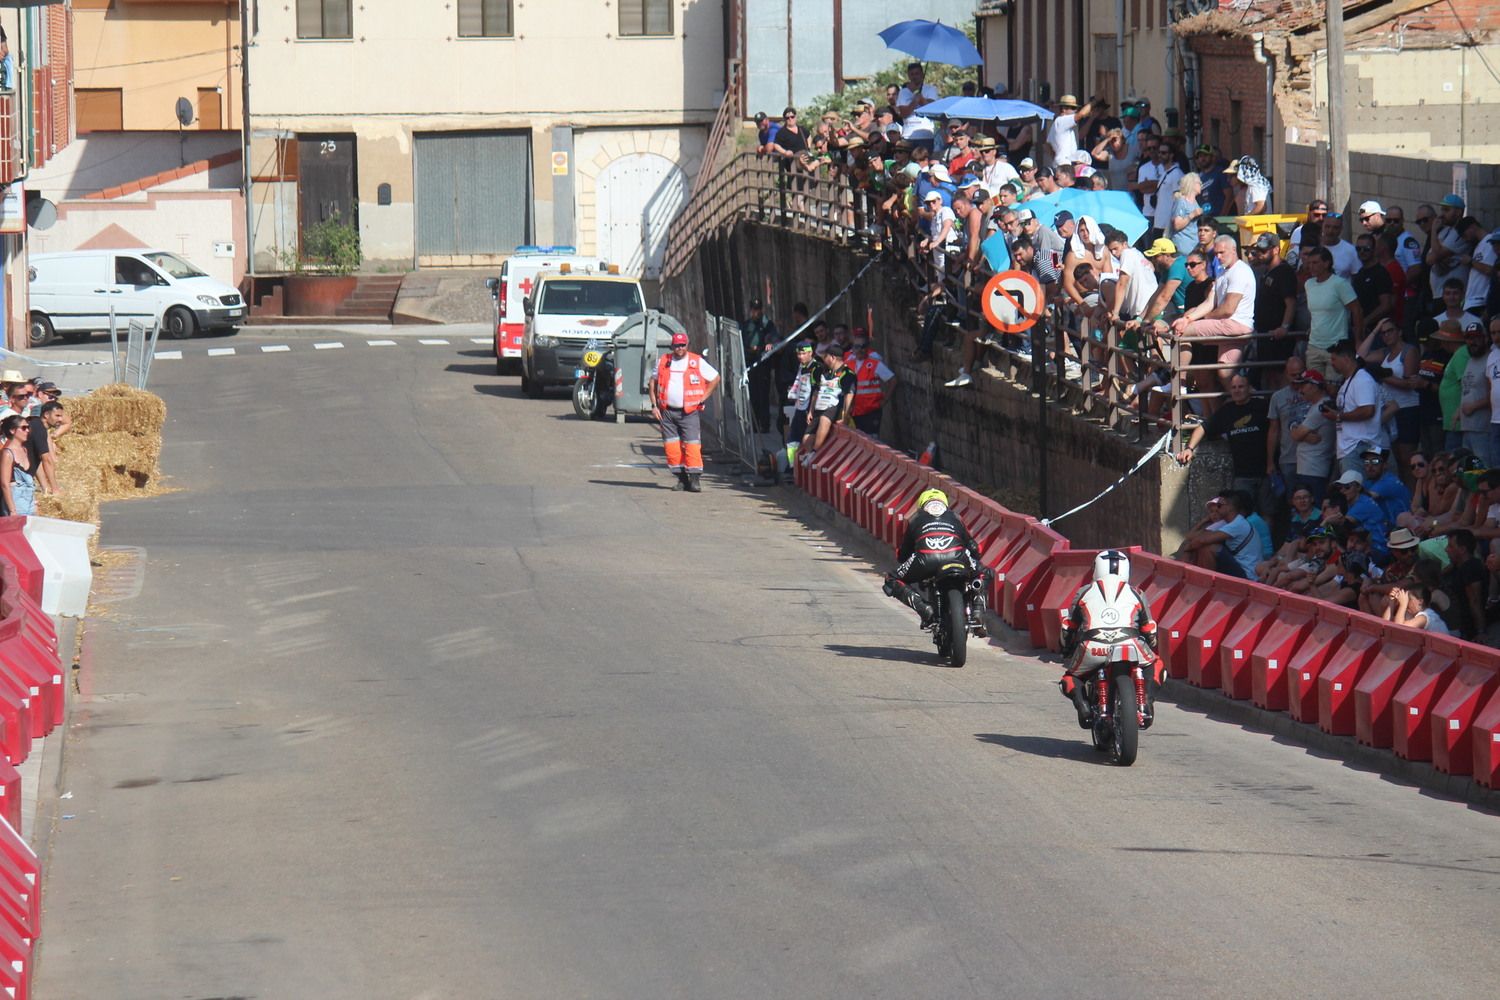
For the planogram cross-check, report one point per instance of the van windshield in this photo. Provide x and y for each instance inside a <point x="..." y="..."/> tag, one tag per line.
<point x="589" y="298"/>
<point x="174" y="265"/>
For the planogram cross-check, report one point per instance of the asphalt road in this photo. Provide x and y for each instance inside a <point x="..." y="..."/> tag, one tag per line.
<point x="432" y="691"/>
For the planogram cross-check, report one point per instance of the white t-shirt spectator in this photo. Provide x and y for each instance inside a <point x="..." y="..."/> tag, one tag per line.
<point x="928" y="94"/>
<point x="998" y="173"/>
<point x="1451" y="239"/>
<point x="677" y="372"/>
<point x="1239" y="278"/>
<point x="1358" y="390"/>
<point x="1408" y="250"/>
<point x="1345" y="259"/>
<point x="1166" y="187"/>
<point x="1150" y="174"/>
<point x="1142" y="284"/>
<point x="1492" y="372"/>
<point x="1479" y="284"/>
<point x="917" y="127"/>
<point x="1260" y="191"/>
<point x="1063" y="138"/>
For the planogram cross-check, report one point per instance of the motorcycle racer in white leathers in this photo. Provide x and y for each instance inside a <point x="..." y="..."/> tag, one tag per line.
<point x="1109" y="621"/>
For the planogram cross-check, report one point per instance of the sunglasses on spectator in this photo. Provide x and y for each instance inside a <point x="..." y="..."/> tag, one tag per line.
<point x="1418" y="465"/>
<point x="1195" y="263"/>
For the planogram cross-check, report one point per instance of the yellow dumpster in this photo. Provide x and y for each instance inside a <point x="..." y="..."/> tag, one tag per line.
<point x="1251" y="226"/>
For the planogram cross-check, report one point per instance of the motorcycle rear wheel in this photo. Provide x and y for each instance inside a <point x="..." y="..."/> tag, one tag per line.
<point x="1126" y="722"/>
<point x="958" y="627"/>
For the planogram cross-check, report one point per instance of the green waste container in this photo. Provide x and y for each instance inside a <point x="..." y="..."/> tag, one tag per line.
<point x="638" y="343"/>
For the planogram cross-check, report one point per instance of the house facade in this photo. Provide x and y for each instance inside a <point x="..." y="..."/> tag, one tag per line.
<point x="451" y="132"/>
<point x="157" y="161"/>
<point x="36" y="125"/>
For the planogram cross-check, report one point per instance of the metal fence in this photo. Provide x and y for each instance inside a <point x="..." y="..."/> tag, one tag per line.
<point x="1139" y="379"/>
<point x="133" y="365"/>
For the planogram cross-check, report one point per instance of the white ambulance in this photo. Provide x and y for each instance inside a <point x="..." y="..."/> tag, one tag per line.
<point x="568" y="309"/>
<point x="517" y="281"/>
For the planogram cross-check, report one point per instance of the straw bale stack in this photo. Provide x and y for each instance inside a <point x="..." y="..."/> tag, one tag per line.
<point x="112" y="452"/>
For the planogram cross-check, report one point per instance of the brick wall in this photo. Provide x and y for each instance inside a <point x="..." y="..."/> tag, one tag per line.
<point x="1391" y="180"/>
<point x="1233" y="89"/>
<point x="988" y="436"/>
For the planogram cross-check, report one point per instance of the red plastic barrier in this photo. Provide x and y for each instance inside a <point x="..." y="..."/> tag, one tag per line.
<point x="1411" y="708"/>
<point x="10" y="795"/>
<point x="863" y="470"/>
<point x="1200" y="649"/>
<point x="1296" y="618"/>
<point x="1308" y="661"/>
<point x="1159" y="578"/>
<point x="1028" y="572"/>
<point x="1172" y="624"/>
<point x="38" y="672"/>
<point x="870" y="514"/>
<point x="1474" y="683"/>
<point x="892" y="499"/>
<point x="837" y="451"/>
<point x="15" y="718"/>
<point x="1485" y="736"/>
<point x="1071" y="569"/>
<point x="1394" y="659"/>
<point x="1256" y="617"/>
<point x="1342" y="672"/>
<point x="16" y="550"/>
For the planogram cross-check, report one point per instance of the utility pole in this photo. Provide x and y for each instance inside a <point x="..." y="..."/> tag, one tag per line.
<point x="1338" y="136"/>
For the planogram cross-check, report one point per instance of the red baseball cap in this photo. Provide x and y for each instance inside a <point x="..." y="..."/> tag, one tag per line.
<point x="1312" y="375"/>
<point x="679" y="340"/>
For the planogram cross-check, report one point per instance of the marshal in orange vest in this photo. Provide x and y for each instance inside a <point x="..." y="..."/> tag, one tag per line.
<point x="694" y="385"/>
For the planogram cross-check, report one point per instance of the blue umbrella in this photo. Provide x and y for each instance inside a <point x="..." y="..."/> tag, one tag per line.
<point x="932" y="41"/>
<point x="988" y="109"/>
<point x="1108" y="208"/>
<point x="996" y="253"/>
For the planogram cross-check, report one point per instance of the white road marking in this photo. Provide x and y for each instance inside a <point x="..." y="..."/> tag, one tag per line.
<point x="432" y="342"/>
<point x="219" y="352"/>
<point x="381" y="343"/>
<point x="332" y="346"/>
<point x="479" y="340"/>
<point x="274" y="348"/>
<point x="168" y="355"/>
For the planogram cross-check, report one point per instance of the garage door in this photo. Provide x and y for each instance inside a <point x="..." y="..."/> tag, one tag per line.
<point x="473" y="192"/>
<point x="639" y="195"/>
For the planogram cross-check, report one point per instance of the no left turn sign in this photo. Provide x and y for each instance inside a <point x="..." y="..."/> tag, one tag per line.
<point x="1012" y="301"/>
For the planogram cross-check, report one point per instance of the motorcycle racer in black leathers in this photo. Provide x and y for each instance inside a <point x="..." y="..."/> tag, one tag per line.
<point x="935" y="539"/>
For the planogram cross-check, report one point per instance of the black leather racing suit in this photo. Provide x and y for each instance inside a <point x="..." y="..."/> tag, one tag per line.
<point x="932" y="542"/>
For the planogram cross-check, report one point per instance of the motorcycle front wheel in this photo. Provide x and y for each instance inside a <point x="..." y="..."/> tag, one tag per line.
<point x="958" y="627"/>
<point x="583" y="400"/>
<point x="1126" y="722"/>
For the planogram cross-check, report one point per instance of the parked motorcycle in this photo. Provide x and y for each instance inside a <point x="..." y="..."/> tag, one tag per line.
<point x="594" y="382"/>
<point x="1112" y="676"/>
<point x="958" y="596"/>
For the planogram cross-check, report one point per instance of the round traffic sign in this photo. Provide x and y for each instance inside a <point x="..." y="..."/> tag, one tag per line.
<point x="1013" y="301"/>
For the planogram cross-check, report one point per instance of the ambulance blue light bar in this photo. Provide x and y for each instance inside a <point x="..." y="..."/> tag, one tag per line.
<point x="560" y="248"/>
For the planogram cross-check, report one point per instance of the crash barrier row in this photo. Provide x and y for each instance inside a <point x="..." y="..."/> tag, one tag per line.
<point x="1425" y="697"/>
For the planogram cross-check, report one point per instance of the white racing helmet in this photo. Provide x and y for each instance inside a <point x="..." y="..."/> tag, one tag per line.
<point x="1111" y="563"/>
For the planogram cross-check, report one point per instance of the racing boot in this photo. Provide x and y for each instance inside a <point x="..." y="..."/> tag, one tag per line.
<point x="912" y="598"/>
<point x="1073" y="691"/>
<point x="694" y="485"/>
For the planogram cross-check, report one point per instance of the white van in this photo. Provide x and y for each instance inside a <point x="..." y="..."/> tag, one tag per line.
<point x="517" y="280"/>
<point x="72" y="294"/>
<point x="566" y="310"/>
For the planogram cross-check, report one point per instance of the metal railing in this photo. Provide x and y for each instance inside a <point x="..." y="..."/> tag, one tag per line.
<point x="1107" y="374"/>
<point x="726" y="123"/>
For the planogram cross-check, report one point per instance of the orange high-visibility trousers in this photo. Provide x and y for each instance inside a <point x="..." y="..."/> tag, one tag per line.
<point x="682" y="438"/>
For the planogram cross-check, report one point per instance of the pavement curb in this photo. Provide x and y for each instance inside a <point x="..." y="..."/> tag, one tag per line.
<point x="1213" y="704"/>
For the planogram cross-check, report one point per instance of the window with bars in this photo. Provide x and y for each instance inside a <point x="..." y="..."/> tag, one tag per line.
<point x="484" y="19"/>
<point x="324" y="19"/>
<point x="645" y="17"/>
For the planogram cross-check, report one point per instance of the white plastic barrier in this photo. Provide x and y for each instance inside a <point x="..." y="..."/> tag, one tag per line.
<point x="63" y="549"/>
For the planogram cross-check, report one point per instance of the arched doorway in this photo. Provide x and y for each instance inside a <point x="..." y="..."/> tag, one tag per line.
<point x="637" y="197"/>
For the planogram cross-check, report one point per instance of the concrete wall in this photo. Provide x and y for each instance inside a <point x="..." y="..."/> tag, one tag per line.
<point x="1443" y="104"/>
<point x="108" y="159"/>
<point x="193" y="223"/>
<point x="1393" y="180"/>
<point x="156" y="53"/>
<point x="987" y="436"/>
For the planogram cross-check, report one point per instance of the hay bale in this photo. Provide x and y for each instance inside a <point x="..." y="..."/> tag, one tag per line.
<point x="117" y="408"/>
<point x="113" y="464"/>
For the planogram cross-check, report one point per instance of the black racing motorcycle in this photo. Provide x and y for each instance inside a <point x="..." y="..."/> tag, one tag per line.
<point x="594" y="381"/>
<point x="957" y="594"/>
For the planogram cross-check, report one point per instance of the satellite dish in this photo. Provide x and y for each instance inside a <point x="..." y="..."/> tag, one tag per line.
<point x="40" y="213"/>
<point x="184" y="111"/>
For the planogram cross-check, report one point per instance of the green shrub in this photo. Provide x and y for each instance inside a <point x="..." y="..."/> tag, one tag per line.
<point x="332" y="246"/>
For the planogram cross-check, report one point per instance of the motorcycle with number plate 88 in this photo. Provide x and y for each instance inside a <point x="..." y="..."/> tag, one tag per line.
<point x="1111" y="669"/>
<point x="594" y="381"/>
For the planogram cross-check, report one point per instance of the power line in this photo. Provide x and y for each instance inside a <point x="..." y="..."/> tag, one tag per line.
<point x="164" y="59"/>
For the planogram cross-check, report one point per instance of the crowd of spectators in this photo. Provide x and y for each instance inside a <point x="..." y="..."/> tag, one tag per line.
<point x="33" y="417"/>
<point x="1352" y="366"/>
